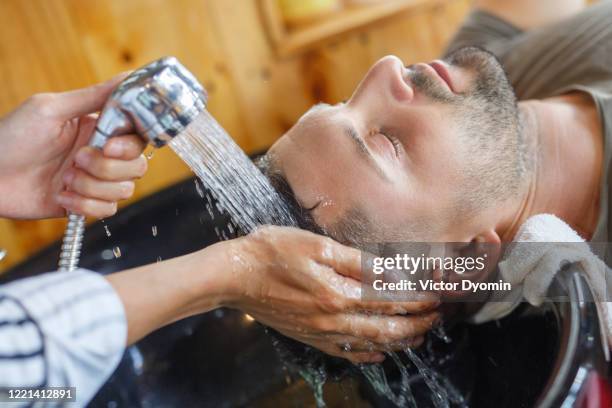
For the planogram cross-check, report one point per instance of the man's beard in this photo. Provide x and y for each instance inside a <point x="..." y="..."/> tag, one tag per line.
<point x="486" y="115"/>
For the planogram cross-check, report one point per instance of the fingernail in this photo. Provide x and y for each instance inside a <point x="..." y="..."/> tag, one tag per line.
<point x="127" y="189"/>
<point x="82" y="158"/>
<point x="115" y="148"/>
<point x="68" y="177"/>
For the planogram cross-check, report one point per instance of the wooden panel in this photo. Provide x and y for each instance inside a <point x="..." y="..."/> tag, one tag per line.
<point x="271" y="93"/>
<point x="418" y="35"/>
<point x="40" y="50"/>
<point x="54" y="45"/>
<point x="291" y="40"/>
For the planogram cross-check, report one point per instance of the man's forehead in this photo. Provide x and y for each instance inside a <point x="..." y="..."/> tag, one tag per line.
<point x="318" y="113"/>
<point x="318" y="107"/>
<point x="320" y="119"/>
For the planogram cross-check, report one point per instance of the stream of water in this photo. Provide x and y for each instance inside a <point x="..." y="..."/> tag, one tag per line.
<point x="225" y="170"/>
<point x="246" y="195"/>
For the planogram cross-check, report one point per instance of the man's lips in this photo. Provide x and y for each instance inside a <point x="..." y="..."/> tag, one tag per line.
<point x="443" y="72"/>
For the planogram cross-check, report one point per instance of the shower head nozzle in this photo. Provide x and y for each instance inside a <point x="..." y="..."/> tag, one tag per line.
<point x="157" y="101"/>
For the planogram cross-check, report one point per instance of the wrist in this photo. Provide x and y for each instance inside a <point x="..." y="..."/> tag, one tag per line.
<point x="157" y="294"/>
<point x="214" y="277"/>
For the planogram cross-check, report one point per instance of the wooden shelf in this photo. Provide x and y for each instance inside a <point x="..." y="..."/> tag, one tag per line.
<point x="289" y="41"/>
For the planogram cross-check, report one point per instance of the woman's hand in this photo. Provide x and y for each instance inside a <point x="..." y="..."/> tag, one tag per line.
<point x="46" y="167"/>
<point x="307" y="287"/>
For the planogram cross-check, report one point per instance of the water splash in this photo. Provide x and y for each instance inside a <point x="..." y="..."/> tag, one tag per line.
<point x="440" y="333"/>
<point x="376" y="376"/>
<point x="405" y="395"/>
<point x="154" y="230"/>
<point x="234" y="181"/>
<point x="439" y="396"/>
<point x="316" y="379"/>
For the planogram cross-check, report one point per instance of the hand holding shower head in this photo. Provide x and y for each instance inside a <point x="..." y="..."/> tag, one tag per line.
<point x="157" y="101"/>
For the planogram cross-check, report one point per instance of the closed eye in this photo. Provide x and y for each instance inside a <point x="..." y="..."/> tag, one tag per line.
<point x="397" y="145"/>
<point x="314" y="207"/>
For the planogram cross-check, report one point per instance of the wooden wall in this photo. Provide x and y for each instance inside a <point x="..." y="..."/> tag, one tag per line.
<point x="55" y="45"/>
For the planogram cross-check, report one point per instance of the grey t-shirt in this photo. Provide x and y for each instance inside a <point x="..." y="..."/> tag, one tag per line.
<point x="572" y="55"/>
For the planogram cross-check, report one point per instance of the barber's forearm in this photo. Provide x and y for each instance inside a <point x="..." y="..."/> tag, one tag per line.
<point x="158" y="294"/>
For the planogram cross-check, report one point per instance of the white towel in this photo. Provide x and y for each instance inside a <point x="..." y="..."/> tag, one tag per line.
<point x="530" y="269"/>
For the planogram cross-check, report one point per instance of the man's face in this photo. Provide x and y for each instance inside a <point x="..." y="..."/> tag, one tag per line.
<point x="395" y="151"/>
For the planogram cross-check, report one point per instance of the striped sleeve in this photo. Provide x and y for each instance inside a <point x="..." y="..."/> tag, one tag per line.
<point x="61" y="329"/>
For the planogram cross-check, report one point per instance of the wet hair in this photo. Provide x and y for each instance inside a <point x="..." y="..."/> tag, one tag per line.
<point x="353" y="228"/>
<point x="302" y="216"/>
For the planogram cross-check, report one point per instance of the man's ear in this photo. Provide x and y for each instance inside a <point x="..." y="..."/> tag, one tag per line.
<point x="484" y="250"/>
<point x="487" y="237"/>
<point x="487" y="244"/>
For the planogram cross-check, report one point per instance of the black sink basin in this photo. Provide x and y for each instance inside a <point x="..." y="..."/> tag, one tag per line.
<point x="534" y="357"/>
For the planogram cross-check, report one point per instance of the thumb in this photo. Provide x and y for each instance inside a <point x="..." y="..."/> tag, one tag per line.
<point x="87" y="100"/>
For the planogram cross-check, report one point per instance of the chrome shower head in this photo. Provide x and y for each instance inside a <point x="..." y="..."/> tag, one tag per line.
<point x="157" y="101"/>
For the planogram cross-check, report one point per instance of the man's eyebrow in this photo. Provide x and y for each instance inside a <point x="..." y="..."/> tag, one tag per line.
<point x="353" y="134"/>
<point x="363" y="150"/>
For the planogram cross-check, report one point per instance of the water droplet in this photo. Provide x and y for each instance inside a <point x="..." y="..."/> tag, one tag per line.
<point x="107" y="254"/>
<point x="440" y="333"/>
<point x="150" y="154"/>
<point x="210" y="211"/>
<point x="2" y="253"/>
<point x="198" y="188"/>
<point x="219" y="208"/>
<point x="137" y="359"/>
<point x="154" y="230"/>
<point x="159" y="259"/>
<point x="117" y="252"/>
<point x="108" y="233"/>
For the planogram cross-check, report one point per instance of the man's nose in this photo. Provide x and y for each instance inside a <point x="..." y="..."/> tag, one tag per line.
<point x="386" y="79"/>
